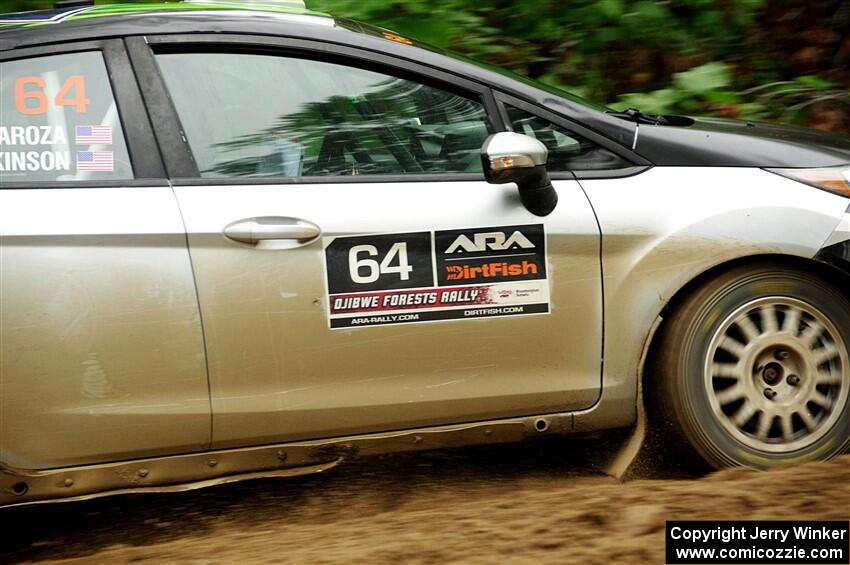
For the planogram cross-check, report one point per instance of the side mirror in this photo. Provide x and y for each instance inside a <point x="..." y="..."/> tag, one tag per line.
<point x="513" y="157"/>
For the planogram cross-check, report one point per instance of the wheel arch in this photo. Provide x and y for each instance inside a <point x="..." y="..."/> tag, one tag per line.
<point x="825" y="271"/>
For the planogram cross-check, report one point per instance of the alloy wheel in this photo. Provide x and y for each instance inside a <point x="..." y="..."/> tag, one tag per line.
<point x="777" y="374"/>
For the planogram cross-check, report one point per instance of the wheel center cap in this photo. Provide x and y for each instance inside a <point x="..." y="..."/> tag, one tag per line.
<point x="772" y="374"/>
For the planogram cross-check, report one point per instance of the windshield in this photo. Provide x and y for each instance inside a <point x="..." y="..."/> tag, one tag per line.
<point x="375" y="31"/>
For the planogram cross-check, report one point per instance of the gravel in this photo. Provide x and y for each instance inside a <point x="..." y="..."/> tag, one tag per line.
<point x="537" y="502"/>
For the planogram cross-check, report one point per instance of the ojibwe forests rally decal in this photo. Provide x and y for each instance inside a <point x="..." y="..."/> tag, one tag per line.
<point x="430" y="276"/>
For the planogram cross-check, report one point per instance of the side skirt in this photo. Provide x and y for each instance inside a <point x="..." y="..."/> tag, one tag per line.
<point x="198" y="470"/>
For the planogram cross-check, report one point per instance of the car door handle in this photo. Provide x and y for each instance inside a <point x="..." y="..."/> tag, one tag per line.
<point x="256" y="230"/>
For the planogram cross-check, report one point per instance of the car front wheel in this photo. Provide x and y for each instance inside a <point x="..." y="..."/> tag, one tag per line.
<point x="753" y="369"/>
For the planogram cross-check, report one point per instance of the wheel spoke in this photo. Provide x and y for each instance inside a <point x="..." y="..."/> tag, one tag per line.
<point x="792" y="321"/>
<point x="787" y="427"/>
<point x="820" y="399"/>
<point x="765" y="421"/>
<point x="824" y="354"/>
<point x="769" y="321"/>
<point x="749" y="329"/>
<point x="828" y="378"/>
<point x="727" y="395"/>
<point x="728" y="370"/>
<point x="744" y="414"/>
<point x="807" y="419"/>
<point x="732" y="346"/>
<point x="812" y="333"/>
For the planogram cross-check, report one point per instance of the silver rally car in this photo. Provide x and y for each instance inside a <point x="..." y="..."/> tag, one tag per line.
<point x="254" y="241"/>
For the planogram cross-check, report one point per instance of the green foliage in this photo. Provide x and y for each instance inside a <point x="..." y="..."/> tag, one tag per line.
<point x="662" y="101"/>
<point x="709" y="87"/>
<point x="700" y="86"/>
<point x="580" y="40"/>
<point x="679" y="56"/>
<point x="704" y="79"/>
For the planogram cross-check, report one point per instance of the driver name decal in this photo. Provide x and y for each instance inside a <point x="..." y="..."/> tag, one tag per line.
<point x="434" y="276"/>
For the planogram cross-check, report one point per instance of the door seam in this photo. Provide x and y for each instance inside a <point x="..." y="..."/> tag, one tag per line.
<point x="602" y="290"/>
<point x="200" y="314"/>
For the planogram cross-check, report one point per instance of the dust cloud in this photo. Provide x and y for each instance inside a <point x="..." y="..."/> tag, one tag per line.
<point x="538" y="502"/>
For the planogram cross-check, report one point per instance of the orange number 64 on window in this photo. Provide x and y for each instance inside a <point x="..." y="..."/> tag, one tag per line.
<point x="22" y="95"/>
<point x="25" y="96"/>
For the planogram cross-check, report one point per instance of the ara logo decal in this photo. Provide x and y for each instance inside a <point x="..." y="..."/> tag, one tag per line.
<point x="494" y="241"/>
<point x="491" y="254"/>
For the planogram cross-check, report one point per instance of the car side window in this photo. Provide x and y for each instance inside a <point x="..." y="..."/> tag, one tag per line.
<point x="259" y="115"/>
<point x="59" y="121"/>
<point x="568" y="151"/>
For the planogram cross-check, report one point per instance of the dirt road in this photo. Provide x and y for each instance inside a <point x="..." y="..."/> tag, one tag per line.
<point x="540" y="502"/>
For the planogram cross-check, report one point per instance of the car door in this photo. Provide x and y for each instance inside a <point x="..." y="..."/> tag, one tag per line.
<point x="355" y="271"/>
<point x="101" y="353"/>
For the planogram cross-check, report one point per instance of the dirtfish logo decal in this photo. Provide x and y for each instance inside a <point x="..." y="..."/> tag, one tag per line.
<point x="490" y="270"/>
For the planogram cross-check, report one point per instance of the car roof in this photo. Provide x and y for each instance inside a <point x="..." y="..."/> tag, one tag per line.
<point x="277" y="18"/>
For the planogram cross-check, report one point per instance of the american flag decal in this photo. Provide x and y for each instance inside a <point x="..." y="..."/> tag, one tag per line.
<point x="94" y="161"/>
<point x="93" y="135"/>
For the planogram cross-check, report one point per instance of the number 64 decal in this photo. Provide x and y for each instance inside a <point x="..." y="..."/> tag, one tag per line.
<point x="375" y="269"/>
<point x="368" y="263"/>
<point x="25" y="97"/>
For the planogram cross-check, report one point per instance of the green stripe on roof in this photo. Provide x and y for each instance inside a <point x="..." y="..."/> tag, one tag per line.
<point x="107" y="10"/>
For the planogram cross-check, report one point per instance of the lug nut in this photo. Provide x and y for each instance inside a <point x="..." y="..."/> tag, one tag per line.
<point x="793" y="380"/>
<point x="781" y="355"/>
<point x="769" y="393"/>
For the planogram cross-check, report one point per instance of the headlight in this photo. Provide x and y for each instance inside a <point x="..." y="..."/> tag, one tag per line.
<point x="835" y="179"/>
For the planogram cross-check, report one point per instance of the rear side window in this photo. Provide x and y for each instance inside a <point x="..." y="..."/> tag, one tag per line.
<point x="59" y="121"/>
<point x="251" y="115"/>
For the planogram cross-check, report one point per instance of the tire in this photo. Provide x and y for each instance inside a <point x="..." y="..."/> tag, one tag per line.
<point x="753" y="369"/>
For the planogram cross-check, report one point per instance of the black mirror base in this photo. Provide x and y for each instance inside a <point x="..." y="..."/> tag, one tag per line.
<point x="540" y="200"/>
